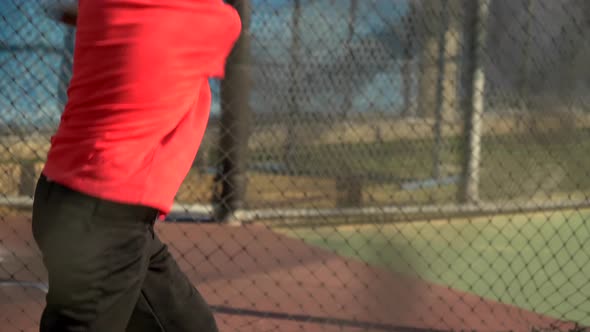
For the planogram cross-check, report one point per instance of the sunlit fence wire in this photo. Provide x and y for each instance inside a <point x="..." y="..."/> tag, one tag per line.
<point x="392" y="165"/>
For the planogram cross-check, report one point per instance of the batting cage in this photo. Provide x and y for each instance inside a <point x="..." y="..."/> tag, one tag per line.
<point x="369" y="165"/>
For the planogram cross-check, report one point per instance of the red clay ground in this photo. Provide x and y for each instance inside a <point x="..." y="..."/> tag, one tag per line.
<point x="258" y="280"/>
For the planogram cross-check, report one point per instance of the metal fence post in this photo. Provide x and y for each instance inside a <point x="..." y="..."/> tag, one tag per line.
<point x="410" y="32"/>
<point x="295" y="73"/>
<point x="439" y="118"/>
<point x="352" y="17"/>
<point x="235" y="114"/>
<point x="475" y="102"/>
<point x="524" y="81"/>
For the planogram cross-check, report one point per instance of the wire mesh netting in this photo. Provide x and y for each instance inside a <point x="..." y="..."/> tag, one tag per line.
<point x="369" y="165"/>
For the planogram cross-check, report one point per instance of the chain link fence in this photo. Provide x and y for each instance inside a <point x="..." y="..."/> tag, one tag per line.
<point x="369" y="165"/>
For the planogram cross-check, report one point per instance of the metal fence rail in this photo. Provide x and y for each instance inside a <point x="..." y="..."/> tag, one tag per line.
<point x="369" y="165"/>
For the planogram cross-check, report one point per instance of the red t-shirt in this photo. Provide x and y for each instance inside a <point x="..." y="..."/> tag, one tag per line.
<point x="139" y="99"/>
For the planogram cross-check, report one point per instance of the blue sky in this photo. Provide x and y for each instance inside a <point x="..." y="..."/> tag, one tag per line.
<point x="31" y="48"/>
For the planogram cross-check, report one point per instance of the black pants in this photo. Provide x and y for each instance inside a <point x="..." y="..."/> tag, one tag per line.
<point x="108" y="271"/>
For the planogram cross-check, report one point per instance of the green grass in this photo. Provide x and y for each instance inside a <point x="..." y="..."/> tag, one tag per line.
<point x="538" y="262"/>
<point x="511" y="166"/>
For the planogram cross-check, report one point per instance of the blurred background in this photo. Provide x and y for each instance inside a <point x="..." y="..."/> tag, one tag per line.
<point x="444" y="141"/>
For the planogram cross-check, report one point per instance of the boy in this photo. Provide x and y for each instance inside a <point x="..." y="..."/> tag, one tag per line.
<point x="138" y="104"/>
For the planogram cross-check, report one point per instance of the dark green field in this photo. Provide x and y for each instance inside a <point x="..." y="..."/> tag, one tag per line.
<point x="540" y="262"/>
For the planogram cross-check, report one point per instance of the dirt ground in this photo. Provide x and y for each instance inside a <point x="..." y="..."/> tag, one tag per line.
<point x="258" y="280"/>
